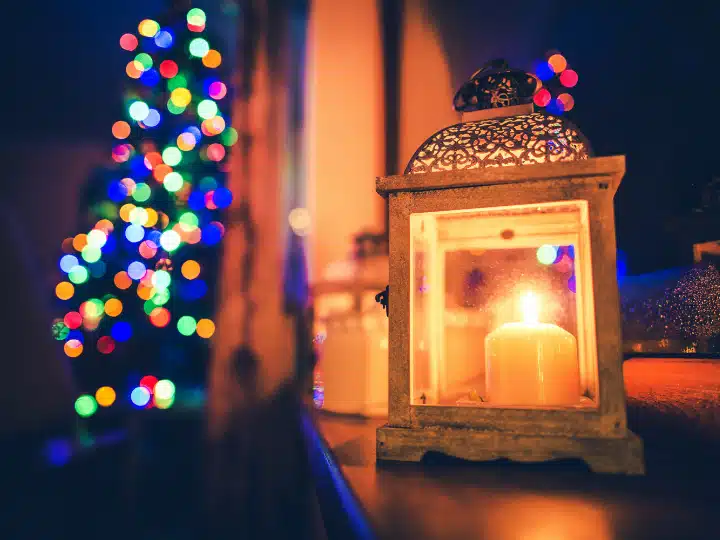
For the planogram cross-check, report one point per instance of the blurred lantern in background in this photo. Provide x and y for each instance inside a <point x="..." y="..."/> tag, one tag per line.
<point x="350" y="333"/>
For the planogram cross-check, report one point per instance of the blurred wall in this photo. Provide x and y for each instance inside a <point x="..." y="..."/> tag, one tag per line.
<point x="41" y="184"/>
<point x="345" y="134"/>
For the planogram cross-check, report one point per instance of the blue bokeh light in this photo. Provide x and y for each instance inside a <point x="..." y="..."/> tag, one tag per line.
<point x="211" y="234"/>
<point x="222" y="197"/>
<point x="68" y="262"/>
<point x="544" y="71"/>
<point x="121" y="331"/>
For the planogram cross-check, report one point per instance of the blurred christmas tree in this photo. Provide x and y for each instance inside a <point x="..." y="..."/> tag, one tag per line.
<point x="138" y="292"/>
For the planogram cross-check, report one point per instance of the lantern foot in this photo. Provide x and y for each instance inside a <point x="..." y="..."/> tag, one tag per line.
<point x="610" y="455"/>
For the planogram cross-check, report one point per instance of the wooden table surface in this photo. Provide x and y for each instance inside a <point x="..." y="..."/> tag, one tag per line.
<point x="449" y="499"/>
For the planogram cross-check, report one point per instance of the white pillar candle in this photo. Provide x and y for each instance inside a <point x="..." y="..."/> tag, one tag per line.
<point x="531" y="363"/>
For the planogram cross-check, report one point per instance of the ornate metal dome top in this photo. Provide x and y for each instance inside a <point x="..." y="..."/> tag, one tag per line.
<point x="495" y="85"/>
<point x="523" y="139"/>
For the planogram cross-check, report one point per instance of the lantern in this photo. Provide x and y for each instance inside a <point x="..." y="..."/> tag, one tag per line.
<point x="351" y="335"/>
<point x="504" y="335"/>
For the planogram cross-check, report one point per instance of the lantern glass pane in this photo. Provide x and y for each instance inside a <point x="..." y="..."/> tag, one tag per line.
<point x="502" y="308"/>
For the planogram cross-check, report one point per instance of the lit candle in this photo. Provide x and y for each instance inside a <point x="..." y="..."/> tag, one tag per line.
<point x="531" y="363"/>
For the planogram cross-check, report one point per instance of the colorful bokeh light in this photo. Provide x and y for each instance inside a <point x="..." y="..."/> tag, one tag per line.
<point x="557" y="63"/>
<point x="190" y="269"/>
<point x="568" y="78"/>
<point x="164" y="389"/>
<point x="140" y="396"/>
<point x="205" y="328"/>
<point x="160" y="317"/>
<point x="199" y="47"/>
<point x="163" y="196"/>
<point x="121" y="129"/>
<point x="85" y="406"/>
<point x="105" y="396"/>
<point x="148" y="28"/>
<point x="128" y="42"/>
<point x="64" y="290"/>
<point x="212" y="59"/>
<point x="196" y="17"/>
<point x="186" y="325"/>
<point x="547" y="254"/>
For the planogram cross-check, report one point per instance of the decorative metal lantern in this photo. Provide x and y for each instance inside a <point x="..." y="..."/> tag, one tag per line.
<point x="504" y="337"/>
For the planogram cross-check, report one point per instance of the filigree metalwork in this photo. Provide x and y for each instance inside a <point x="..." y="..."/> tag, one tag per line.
<point x="495" y="85"/>
<point x="516" y="140"/>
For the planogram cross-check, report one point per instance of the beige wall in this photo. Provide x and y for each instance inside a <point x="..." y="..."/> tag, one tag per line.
<point x="345" y="131"/>
<point x="427" y="90"/>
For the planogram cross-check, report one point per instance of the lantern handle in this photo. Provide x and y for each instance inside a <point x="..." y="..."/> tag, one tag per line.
<point x="383" y="298"/>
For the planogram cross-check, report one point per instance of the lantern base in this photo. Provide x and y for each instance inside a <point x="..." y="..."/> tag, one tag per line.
<point x="602" y="454"/>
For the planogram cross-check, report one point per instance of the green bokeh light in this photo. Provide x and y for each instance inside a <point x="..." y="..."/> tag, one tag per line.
<point x="161" y="297"/>
<point x="138" y="110"/>
<point x="172" y="155"/>
<point x="199" y="47"/>
<point x="189" y="221"/>
<point x="196" y="17"/>
<point x="161" y="279"/>
<point x="174" y="109"/>
<point x="178" y="81"/>
<point x="60" y="330"/>
<point x="186" y="325"/>
<point x="142" y="192"/>
<point x="85" y="406"/>
<point x="78" y="275"/>
<point x="145" y="60"/>
<point x="229" y="136"/>
<point x="173" y="182"/>
<point x="91" y="254"/>
<point x="207" y="108"/>
<point x="149" y="306"/>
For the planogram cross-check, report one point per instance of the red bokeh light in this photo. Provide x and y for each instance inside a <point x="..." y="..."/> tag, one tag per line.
<point x="168" y="69"/>
<point x="542" y="97"/>
<point x="106" y="345"/>
<point x="128" y="42"/>
<point x="73" y="320"/>
<point x="160" y="317"/>
<point x="149" y="382"/>
<point x="568" y="78"/>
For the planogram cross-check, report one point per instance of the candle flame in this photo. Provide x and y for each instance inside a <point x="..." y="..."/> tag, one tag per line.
<point x="530" y="307"/>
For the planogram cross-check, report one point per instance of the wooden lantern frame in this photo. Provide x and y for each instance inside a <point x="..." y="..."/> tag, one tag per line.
<point x="600" y="435"/>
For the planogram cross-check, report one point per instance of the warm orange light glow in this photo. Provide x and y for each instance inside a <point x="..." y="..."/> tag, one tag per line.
<point x="190" y="269"/>
<point x="122" y="280"/>
<point x="121" y="129"/>
<point x="530" y="308"/>
<point x="161" y="171"/>
<point x="205" y="328"/>
<point x="80" y="241"/>
<point x="212" y="59"/>
<point x="299" y="220"/>
<point x="113" y="307"/>
<point x="105" y="225"/>
<point x="105" y="396"/>
<point x="145" y="292"/>
<point x="64" y="290"/>
<point x="557" y="63"/>
<point x="125" y="210"/>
